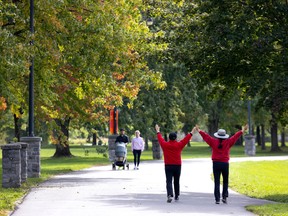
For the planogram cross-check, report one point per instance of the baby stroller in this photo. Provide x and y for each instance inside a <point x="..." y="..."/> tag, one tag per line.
<point x="120" y="156"/>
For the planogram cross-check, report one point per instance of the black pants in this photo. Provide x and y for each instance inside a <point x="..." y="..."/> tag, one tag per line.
<point x="137" y="155"/>
<point x="173" y="172"/>
<point x="220" y="168"/>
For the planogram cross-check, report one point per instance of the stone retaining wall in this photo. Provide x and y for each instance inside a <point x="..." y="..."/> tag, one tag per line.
<point x="19" y="161"/>
<point x="11" y="166"/>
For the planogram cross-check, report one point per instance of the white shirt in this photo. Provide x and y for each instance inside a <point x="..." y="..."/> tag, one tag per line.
<point x="137" y="144"/>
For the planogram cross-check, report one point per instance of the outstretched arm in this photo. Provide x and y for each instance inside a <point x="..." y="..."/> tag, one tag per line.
<point x="206" y="137"/>
<point x="157" y="128"/>
<point x="193" y="130"/>
<point x="244" y="128"/>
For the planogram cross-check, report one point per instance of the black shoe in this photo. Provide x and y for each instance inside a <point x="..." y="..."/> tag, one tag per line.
<point x="176" y="198"/>
<point x="169" y="199"/>
<point x="224" y="200"/>
<point x="217" y="202"/>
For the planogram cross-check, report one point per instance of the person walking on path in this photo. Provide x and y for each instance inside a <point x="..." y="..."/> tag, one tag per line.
<point x="122" y="138"/>
<point x="220" y="156"/>
<point x="137" y="146"/>
<point x="172" y="159"/>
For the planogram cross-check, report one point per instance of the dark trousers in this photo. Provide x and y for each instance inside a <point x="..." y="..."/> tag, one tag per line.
<point x="220" y="168"/>
<point x="137" y="154"/>
<point x="173" y="173"/>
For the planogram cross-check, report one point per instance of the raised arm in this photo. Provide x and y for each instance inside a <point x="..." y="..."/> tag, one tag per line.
<point x="206" y="137"/>
<point x="157" y="128"/>
<point x="244" y="128"/>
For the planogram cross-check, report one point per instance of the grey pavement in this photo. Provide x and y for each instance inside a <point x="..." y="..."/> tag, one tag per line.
<point x="102" y="191"/>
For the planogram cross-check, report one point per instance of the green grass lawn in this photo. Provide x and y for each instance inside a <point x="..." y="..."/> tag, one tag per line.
<point x="52" y="166"/>
<point x="263" y="180"/>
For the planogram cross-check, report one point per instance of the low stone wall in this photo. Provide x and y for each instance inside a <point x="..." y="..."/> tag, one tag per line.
<point x="23" y="153"/>
<point x="11" y="166"/>
<point x="33" y="155"/>
<point x="19" y="161"/>
<point x="250" y="148"/>
<point x="156" y="149"/>
<point x="111" y="147"/>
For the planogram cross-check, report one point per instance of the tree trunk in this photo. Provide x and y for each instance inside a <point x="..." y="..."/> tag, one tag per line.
<point x="16" y="128"/>
<point x="283" y="137"/>
<point x="62" y="147"/>
<point x="94" y="140"/>
<point x="212" y="126"/>
<point x="274" y="137"/>
<point x="258" y="136"/>
<point x="239" y="142"/>
<point x="263" y="145"/>
<point x="146" y="143"/>
<point x="213" y="118"/>
<point x="165" y="137"/>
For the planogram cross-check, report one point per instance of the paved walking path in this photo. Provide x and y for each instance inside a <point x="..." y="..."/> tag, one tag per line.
<point x="101" y="191"/>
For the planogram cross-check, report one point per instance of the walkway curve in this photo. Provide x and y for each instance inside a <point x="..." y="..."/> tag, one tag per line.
<point x="101" y="191"/>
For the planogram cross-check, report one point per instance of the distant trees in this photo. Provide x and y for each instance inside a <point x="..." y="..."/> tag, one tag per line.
<point x="88" y="55"/>
<point x="93" y="55"/>
<point x="239" y="45"/>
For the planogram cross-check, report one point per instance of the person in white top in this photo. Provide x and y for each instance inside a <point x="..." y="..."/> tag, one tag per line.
<point x="137" y="146"/>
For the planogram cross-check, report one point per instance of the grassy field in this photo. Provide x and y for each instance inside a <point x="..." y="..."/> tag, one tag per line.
<point x="264" y="180"/>
<point x="87" y="156"/>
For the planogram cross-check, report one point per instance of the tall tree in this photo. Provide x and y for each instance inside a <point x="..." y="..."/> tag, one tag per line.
<point x="238" y="44"/>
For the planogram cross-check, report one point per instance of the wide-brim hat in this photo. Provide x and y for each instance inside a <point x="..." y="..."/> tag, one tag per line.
<point x="221" y="133"/>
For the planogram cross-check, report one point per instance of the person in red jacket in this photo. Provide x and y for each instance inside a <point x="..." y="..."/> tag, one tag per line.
<point x="221" y="145"/>
<point x="172" y="160"/>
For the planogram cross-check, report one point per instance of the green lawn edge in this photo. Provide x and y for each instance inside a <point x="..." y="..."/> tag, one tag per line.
<point x="54" y="166"/>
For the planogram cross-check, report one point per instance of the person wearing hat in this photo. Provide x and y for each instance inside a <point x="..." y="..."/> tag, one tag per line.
<point x="172" y="159"/>
<point x="221" y="144"/>
<point x="122" y="138"/>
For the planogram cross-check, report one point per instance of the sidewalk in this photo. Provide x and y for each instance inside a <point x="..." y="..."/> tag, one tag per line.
<point x="101" y="191"/>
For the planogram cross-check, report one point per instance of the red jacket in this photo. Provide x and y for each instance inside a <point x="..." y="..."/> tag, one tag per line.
<point x="223" y="154"/>
<point x="172" y="149"/>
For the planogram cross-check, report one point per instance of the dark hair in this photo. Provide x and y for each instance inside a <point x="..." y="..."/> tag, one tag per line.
<point x="220" y="144"/>
<point x="172" y="136"/>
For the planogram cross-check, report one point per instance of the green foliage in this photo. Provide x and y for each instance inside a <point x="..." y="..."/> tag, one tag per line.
<point x="88" y="56"/>
<point x="102" y="150"/>
<point x="175" y="107"/>
<point x="238" y="45"/>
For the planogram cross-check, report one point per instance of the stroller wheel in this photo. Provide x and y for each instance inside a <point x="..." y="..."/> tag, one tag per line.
<point x="113" y="167"/>
<point x="127" y="166"/>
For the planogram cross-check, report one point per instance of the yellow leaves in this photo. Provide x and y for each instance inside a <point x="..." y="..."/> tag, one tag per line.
<point x="15" y="109"/>
<point x="130" y="89"/>
<point x="3" y="104"/>
<point x="51" y="113"/>
<point x="61" y="48"/>
<point x="79" y="92"/>
<point x="117" y="76"/>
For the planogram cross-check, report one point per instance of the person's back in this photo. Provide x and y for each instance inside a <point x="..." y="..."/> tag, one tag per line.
<point x="220" y="154"/>
<point x="172" y="149"/>
<point x="221" y="144"/>
<point x="172" y="159"/>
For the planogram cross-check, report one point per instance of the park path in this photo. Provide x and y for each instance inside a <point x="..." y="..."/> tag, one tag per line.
<point x="101" y="191"/>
